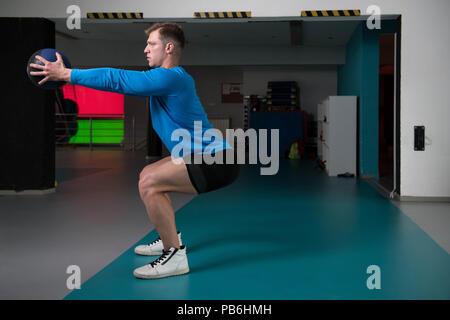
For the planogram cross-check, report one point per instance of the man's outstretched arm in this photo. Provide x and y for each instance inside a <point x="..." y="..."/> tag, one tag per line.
<point x="136" y="83"/>
<point x="159" y="81"/>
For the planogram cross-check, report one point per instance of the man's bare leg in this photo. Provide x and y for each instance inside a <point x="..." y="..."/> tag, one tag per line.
<point x="154" y="184"/>
<point x="161" y="214"/>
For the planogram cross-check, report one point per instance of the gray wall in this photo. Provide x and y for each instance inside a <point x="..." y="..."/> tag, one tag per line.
<point x="315" y="82"/>
<point x="424" y="86"/>
<point x="124" y="52"/>
<point x="208" y="82"/>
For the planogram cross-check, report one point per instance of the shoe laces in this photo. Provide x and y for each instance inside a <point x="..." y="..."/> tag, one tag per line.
<point x="161" y="258"/>
<point x="157" y="240"/>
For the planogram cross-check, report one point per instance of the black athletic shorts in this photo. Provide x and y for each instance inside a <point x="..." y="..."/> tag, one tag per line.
<point x="209" y="177"/>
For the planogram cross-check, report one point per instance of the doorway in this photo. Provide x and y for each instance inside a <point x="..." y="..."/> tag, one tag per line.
<point x="386" y="111"/>
<point x="389" y="111"/>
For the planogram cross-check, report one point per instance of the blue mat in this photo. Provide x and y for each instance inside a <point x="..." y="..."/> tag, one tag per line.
<point x="295" y="235"/>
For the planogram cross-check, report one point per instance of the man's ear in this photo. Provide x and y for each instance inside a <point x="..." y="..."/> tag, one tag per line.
<point x="170" y="47"/>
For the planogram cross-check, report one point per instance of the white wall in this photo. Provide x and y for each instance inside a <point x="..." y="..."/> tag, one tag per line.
<point x="424" y="98"/>
<point x="424" y="77"/>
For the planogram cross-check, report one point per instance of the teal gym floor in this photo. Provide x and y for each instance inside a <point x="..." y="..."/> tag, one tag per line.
<point x="296" y="235"/>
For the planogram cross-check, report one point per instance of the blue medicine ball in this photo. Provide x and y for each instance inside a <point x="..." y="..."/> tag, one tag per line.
<point x="48" y="54"/>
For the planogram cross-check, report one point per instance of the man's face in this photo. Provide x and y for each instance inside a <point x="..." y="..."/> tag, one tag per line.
<point x="155" y="50"/>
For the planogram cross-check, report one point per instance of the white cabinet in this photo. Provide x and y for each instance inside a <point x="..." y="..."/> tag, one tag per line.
<point x="336" y="132"/>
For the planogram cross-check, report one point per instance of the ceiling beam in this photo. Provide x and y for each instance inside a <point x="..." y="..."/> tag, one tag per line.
<point x="295" y="28"/>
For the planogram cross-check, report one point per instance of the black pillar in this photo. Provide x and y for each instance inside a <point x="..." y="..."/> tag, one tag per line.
<point x="27" y="113"/>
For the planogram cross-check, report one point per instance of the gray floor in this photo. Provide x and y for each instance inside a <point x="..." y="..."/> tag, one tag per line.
<point x="95" y="215"/>
<point x="432" y="217"/>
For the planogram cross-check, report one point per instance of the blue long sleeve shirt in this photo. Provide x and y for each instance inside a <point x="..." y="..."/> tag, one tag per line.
<point x="174" y="104"/>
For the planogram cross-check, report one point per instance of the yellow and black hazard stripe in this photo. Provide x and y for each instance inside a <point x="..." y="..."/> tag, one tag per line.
<point x="331" y="13"/>
<point x="115" y="15"/>
<point x="292" y="96"/>
<point x="292" y="102"/>
<point x="223" y="15"/>
<point x="291" y="89"/>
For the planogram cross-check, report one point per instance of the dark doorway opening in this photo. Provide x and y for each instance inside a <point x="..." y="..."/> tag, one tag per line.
<point x="386" y="111"/>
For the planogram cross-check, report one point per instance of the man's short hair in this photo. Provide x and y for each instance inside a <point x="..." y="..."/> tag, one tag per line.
<point x="168" y="31"/>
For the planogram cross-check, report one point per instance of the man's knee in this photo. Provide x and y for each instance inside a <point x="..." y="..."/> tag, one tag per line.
<point x="148" y="169"/>
<point x="148" y="182"/>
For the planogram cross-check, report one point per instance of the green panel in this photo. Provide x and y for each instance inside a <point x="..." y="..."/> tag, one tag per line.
<point x="103" y="131"/>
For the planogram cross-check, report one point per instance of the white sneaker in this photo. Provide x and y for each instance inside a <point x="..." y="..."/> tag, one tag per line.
<point x="153" y="249"/>
<point x="171" y="263"/>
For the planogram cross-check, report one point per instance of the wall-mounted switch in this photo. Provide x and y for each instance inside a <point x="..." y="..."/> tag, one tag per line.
<point x="419" y="138"/>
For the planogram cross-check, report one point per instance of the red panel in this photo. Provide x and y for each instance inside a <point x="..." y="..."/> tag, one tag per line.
<point x="91" y="101"/>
